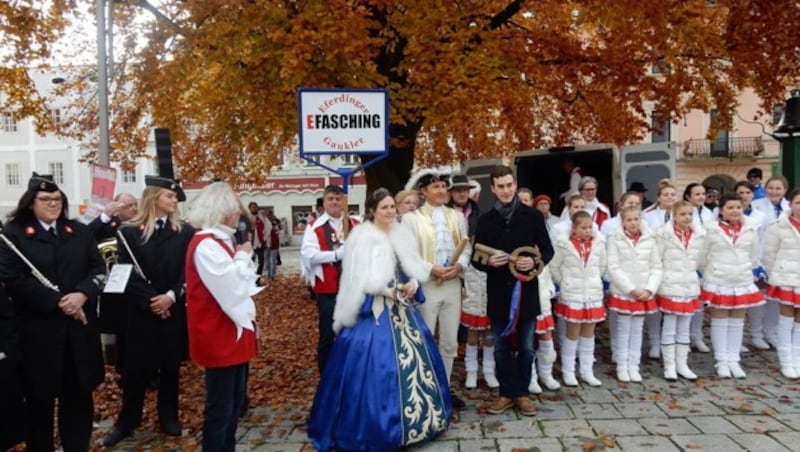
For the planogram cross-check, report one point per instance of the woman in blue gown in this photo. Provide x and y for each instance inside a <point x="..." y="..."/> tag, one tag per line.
<point x="384" y="386"/>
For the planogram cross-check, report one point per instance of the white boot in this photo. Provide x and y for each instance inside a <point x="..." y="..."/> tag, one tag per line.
<point x="785" y="347"/>
<point x="488" y="367"/>
<point x="635" y="348"/>
<point x="545" y="357"/>
<point x="719" y="341"/>
<point x="696" y="332"/>
<point x="586" y="361"/>
<point x="471" y="366"/>
<point x="735" y="336"/>
<point x="682" y="362"/>
<point x="533" y="386"/>
<point x="668" y="356"/>
<point x="796" y="347"/>
<point x="653" y="322"/>
<point x="622" y="339"/>
<point x="569" y="349"/>
<point x="755" y="325"/>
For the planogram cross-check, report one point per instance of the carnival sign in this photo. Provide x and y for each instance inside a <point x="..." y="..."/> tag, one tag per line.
<point x="343" y="121"/>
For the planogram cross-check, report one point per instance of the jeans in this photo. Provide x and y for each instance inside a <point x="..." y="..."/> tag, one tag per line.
<point x="513" y="370"/>
<point x="259" y="253"/>
<point x="271" y="261"/>
<point x="325" y="305"/>
<point x="225" y="388"/>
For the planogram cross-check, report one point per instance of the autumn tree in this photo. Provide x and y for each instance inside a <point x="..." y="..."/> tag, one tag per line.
<point x="467" y="79"/>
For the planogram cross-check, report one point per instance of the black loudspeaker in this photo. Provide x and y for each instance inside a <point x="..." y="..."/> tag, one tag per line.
<point x="164" y="153"/>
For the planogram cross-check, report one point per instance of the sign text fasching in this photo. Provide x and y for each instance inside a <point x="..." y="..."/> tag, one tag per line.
<point x="338" y="121"/>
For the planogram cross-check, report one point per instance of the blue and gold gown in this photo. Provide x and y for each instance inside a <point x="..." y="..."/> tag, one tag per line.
<point x="384" y="386"/>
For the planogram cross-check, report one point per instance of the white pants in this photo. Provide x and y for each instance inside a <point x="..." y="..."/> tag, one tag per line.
<point x="442" y="308"/>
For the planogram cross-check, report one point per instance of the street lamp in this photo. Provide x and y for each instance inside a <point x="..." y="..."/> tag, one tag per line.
<point x="788" y="134"/>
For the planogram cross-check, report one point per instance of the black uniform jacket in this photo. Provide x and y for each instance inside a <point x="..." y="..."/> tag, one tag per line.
<point x="104" y="231"/>
<point x="526" y="228"/>
<point x="153" y="343"/>
<point x="71" y="261"/>
<point x="12" y="427"/>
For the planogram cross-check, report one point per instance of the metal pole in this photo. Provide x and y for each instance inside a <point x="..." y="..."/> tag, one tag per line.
<point x="790" y="160"/>
<point x="102" y="84"/>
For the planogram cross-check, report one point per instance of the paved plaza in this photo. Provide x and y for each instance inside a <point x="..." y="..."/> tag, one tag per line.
<point x="760" y="413"/>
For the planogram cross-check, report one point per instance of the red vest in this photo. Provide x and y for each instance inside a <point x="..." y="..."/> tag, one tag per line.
<point x="330" y="271"/>
<point x="212" y="334"/>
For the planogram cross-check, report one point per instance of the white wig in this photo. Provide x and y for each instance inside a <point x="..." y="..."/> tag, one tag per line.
<point x="215" y="202"/>
<point x="475" y="188"/>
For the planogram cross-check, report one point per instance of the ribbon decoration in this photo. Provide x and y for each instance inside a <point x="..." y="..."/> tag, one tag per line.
<point x="513" y="311"/>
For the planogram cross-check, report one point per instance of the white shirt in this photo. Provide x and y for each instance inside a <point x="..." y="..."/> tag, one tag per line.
<point x="311" y="256"/>
<point x="231" y="280"/>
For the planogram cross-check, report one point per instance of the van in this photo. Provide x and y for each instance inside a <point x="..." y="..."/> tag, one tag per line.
<point x="541" y="170"/>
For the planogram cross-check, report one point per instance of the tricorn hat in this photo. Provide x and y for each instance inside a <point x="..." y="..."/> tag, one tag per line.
<point x="164" y="182"/>
<point x="42" y="182"/>
<point x="460" y="181"/>
<point x="424" y="177"/>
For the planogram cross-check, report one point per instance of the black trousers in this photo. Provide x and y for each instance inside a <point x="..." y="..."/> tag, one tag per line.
<point x="75" y="413"/>
<point x="133" y="397"/>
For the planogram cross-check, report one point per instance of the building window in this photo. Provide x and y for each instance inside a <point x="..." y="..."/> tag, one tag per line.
<point x="129" y="177"/>
<point x="9" y="123"/>
<point x="661" y="128"/>
<point x="314" y="158"/>
<point x="57" y="170"/>
<point x="55" y="115"/>
<point x="12" y="174"/>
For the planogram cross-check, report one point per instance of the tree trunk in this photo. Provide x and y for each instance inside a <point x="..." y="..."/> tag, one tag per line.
<point x="393" y="171"/>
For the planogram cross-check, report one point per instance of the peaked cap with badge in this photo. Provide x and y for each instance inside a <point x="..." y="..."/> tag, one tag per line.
<point x="165" y="182"/>
<point x="42" y="182"/>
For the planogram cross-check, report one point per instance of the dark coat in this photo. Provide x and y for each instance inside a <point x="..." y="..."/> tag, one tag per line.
<point x="153" y="343"/>
<point x="70" y="261"/>
<point x="104" y="231"/>
<point x="472" y="219"/>
<point x="526" y="228"/>
<point x="12" y="429"/>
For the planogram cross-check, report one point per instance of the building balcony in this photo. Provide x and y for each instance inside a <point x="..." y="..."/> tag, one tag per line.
<point x="731" y="148"/>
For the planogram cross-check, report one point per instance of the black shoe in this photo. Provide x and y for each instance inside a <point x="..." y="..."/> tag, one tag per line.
<point x="456" y="402"/>
<point x="172" y="428"/>
<point x="115" y="437"/>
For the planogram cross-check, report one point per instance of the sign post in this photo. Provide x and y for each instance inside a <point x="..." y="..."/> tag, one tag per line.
<point x="342" y="121"/>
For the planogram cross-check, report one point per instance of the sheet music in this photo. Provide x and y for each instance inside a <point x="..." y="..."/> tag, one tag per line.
<point x="118" y="278"/>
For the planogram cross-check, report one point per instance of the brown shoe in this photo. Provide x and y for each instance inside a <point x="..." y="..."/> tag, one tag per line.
<point x="526" y="406"/>
<point x="500" y="405"/>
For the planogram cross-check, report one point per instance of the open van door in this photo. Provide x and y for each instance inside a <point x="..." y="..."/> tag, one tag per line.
<point x="479" y="170"/>
<point x="648" y="164"/>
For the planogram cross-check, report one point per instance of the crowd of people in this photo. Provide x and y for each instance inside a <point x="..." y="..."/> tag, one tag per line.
<point x="187" y="294"/>
<point x="396" y="292"/>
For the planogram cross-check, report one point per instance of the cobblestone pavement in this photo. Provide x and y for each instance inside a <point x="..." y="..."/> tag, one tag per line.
<point x="760" y="413"/>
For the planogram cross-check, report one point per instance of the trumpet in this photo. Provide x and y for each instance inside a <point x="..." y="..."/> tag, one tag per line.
<point x="108" y="251"/>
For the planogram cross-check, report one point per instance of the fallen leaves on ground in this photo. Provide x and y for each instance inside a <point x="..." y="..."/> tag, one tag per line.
<point x="283" y="376"/>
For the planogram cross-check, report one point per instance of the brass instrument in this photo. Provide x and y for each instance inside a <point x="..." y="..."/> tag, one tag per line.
<point x="108" y="251"/>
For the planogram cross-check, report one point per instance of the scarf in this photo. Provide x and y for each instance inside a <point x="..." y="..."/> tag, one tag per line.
<point x="794" y="222"/>
<point x="684" y="235"/>
<point x="506" y="210"/>
<point x="633" y="236"/>
<point x="732" y="230"/>
<point x="584" y="248"/>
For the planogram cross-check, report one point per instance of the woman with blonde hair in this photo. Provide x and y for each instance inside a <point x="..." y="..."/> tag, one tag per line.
<point x="407" y="201"/>
<point x="155" y="243"/>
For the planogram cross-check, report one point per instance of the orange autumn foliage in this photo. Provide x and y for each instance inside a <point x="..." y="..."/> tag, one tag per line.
<point x="467" y="79"/>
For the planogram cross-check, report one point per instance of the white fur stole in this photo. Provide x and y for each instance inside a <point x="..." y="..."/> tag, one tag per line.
<point x="368" y="267"/>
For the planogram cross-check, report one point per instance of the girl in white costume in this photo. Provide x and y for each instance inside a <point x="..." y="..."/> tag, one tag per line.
<point x="782" y="260"/>
<point x="578" y="267"/>
<point x="730" y="254"/>
<point x="680" y="244"/>
<point x="634" y="270"/>
<point x="772" y="206"/>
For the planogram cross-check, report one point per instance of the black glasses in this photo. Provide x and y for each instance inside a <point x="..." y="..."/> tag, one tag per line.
<point x="50" y="199"/>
